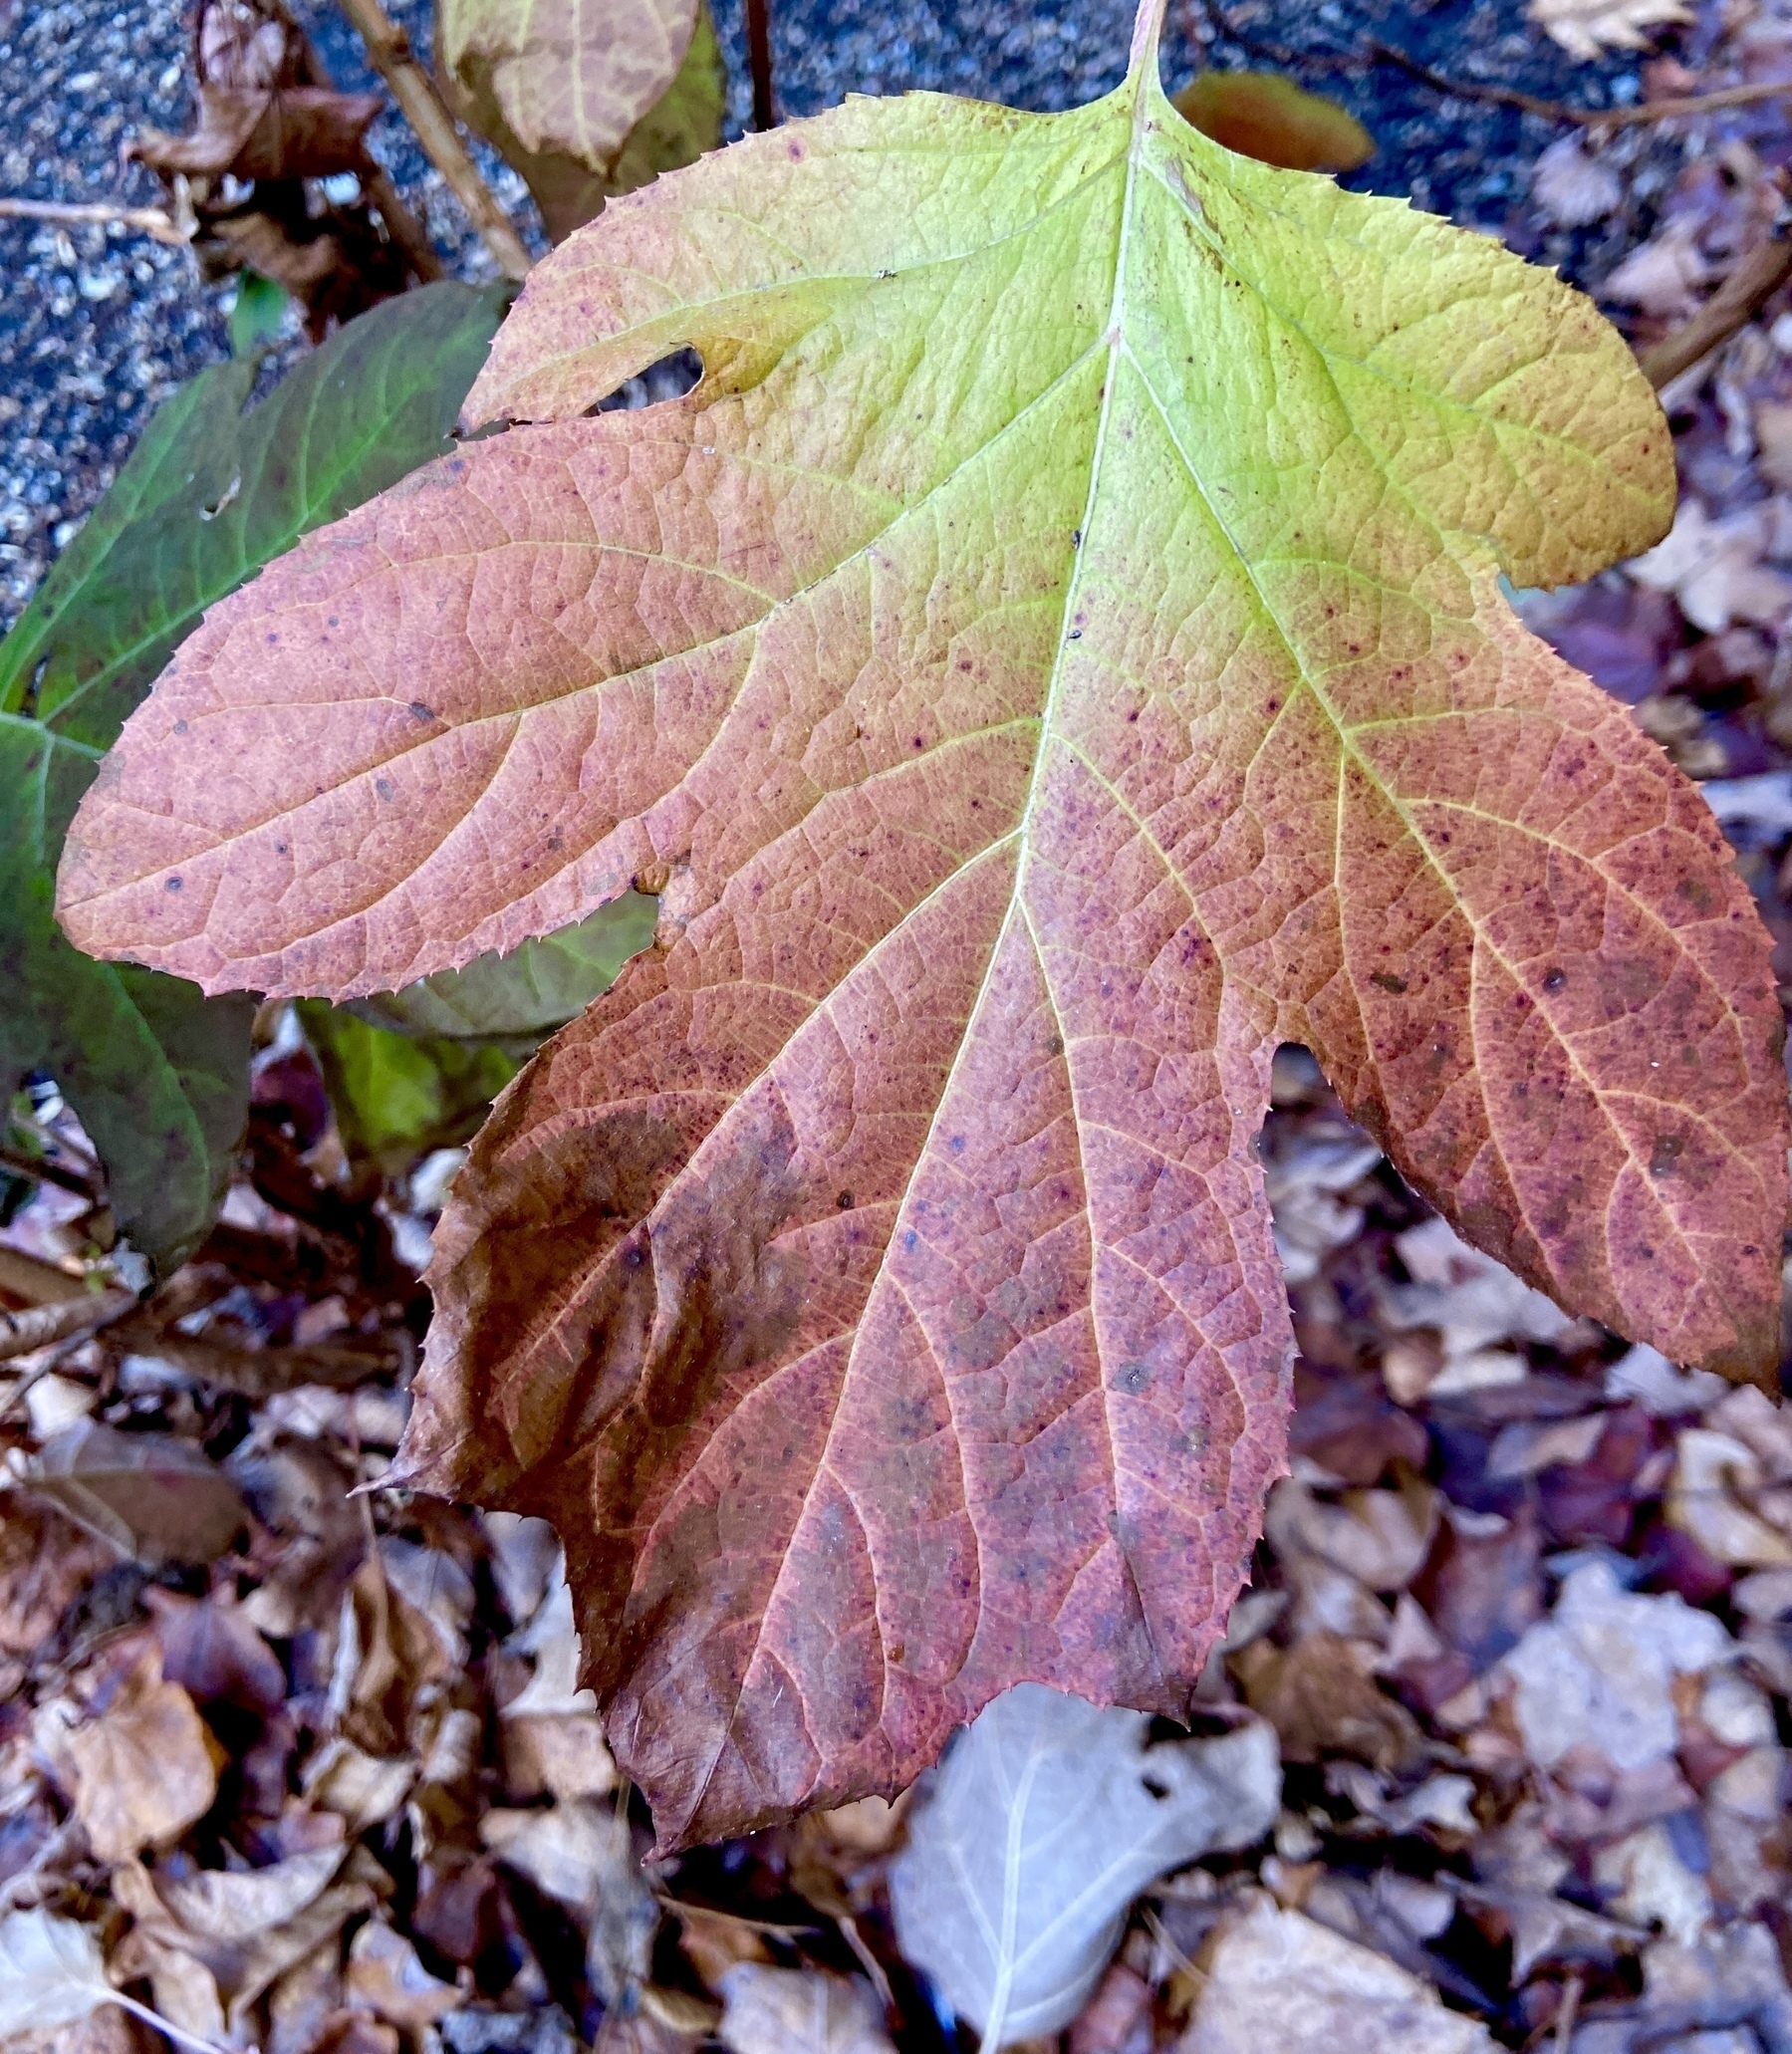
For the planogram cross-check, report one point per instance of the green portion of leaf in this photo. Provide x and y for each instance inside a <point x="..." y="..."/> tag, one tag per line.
<point x="158" y="1074"/>
<point x="538" y="987"/>
<point x="396" y="1094"/>
<point x="212" y="494"/>
<point x="258" y="316"/>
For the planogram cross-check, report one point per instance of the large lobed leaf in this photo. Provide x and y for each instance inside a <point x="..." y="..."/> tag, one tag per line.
<point x="159" y="1075"/>
<point x="1056" y="655"/>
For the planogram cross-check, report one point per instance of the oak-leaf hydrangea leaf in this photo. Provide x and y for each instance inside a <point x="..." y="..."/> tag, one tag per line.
<point x="1056" y="655"/>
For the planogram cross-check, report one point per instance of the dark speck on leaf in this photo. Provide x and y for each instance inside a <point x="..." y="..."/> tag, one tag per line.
<point x="845" y="1201"/>
<point x="174" y="883"/>
<point x="418" y="711"/>
<point x="1554" y="981"/>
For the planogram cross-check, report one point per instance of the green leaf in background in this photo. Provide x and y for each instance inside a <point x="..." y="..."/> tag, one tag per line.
<point x="396" y="1094"/>
<point x="158" y="1074"/>
<point x="258" y="314"/>
<point x="527" y="995"/>
<point x="419" y="1068"/>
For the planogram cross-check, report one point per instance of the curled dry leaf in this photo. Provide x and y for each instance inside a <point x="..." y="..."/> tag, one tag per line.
<point x="1571" y="188"/>
<point x="1049" y="1817"/>
<point x="1055" y="656"/>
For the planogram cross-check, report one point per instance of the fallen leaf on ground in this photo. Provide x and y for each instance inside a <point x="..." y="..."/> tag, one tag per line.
<point x="1713" y="1477"/>
<point x="1587" y="29"/>
<point x="582" y="1854"/>
<point x="51" y="1973"/>
<point x="1280" y="1983"/>
<point x="1715" y="568"/>
<point x="1571" y="188"/>
<point x="799" y="2011"/>
<point x="154" y="1496"/>
<point x="1322" y="1699"/>
<point x="139" y="1768"/>
<point x="1598" y="1672"/>
<point x="1048" y="1818"/>
<point x="385" y="1977"/>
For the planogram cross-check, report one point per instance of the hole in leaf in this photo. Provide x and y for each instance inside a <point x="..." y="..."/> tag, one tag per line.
<point x="670" y="378"/>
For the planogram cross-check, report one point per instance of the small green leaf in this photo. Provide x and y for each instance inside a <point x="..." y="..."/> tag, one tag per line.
<point x="540" y="987"/>
<point x="158" y="1074"/>
<point x="258" y="316"/>
<point x="396" y="1094"/>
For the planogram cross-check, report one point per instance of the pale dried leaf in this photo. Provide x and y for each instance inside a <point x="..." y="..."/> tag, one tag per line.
<point x="1571" y="188"/>
<point x="1598" y="1672"/>
<point x="51" y="1973"/>
<point x="138" y="1772"/>
<point x="799" y="2011"/>
<point x="1709" y="1470"/>
<point x="1279" y="1982"/>
<point x="1585" y="28"/>
<point x="1048" y="1818"/>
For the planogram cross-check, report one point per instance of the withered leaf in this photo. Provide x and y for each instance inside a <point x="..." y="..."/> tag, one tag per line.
<point x="139" y="1768"/>
<point x="296" y="131"/>
<point x="1055" y="656"/>
<point x="1048" y="1818"/>
<point x="152" y="1495"/>
<point x="1267" y="117"/>
<point x="584" y="102"/>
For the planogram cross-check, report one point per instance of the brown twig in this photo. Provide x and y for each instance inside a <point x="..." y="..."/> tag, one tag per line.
<point x="151" y="221"/>
<point x="759" y="61"/>
<point x="40" y="1171"/>
<point x="400" y="223"/>
<point x="413" y="88"/>
<point x="1741" y="295"/>
<point x="22" y="1333"/>
<point x="1582" y="117"/>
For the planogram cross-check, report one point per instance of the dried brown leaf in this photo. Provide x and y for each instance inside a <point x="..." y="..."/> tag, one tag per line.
<point x="154" y="1496"/>
<point x="140" y="1768"/>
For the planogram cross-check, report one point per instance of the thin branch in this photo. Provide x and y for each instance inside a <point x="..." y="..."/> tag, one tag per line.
<point x="400" y="223"/>
<point x="1736" y="301"/>
<point x="1582" y="117"/>
<point x="35" y="1166"/>
<point x="759" y="62"/>
<point x="151" y="221"/>
<point x="23" y="1332"/>
<point x="413" y="88"/>
<point x="1372" y="50"/>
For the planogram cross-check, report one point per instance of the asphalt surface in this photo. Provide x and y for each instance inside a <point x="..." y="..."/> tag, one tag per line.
<point x="98" y="325"/>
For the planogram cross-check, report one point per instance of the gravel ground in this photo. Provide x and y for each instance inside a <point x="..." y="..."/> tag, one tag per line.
<point x="97" y="326"/>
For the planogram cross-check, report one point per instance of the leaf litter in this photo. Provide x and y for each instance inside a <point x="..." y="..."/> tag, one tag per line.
<point x="1521" y="1630"/>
